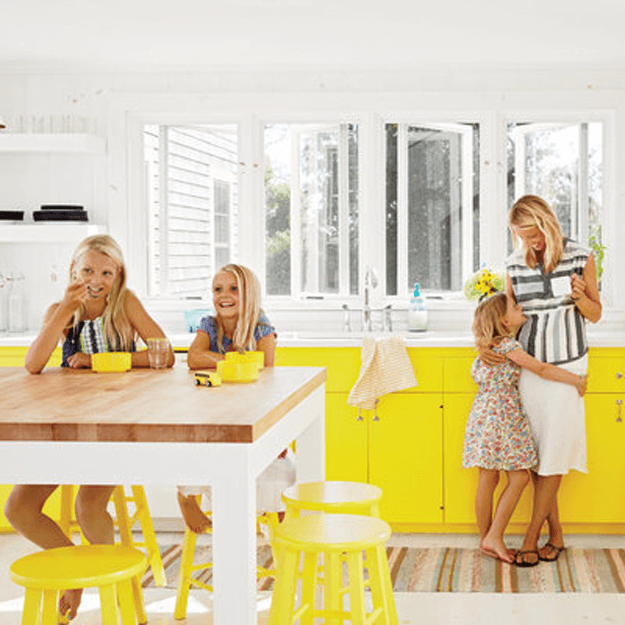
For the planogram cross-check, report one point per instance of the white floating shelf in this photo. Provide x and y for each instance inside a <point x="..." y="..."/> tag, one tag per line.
<point x="48" y="143"/>
<point x="48" y="232"/>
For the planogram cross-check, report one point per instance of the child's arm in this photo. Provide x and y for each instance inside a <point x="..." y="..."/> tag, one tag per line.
<point x="548" y="371"/>
<point x="146" y="328"/>
<point x="267" y="344"/>
<point x="55" y="323"/>
<point x="200" y="355"/>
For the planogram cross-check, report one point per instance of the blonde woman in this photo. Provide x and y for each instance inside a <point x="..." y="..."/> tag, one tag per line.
<point x="554" y="279"/>
<point x="239" y="324"/>
<point x="97" y="314"/>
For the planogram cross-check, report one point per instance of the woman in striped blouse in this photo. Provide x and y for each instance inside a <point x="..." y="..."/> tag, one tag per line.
<point x="555" y="281"/>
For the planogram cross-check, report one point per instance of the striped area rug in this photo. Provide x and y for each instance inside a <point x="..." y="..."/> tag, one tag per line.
<point x="462" y="570"/>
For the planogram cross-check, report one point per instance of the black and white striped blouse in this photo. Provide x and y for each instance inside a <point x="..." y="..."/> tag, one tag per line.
<point x="555" y="330"/>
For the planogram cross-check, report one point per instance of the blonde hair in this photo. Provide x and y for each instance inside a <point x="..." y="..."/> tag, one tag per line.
<point x="249" y="308"/>
<point x="118" y="330"/>
<point x="532" y="211"/>
<point x="488" y="323"/>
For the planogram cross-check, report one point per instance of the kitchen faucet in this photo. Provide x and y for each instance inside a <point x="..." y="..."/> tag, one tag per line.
<point x="371" y="281"/>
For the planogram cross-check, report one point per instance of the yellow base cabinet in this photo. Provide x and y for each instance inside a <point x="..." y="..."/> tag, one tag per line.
<point x="460" y="483"/>
<point x="397" y="446"/>
<point x="14" y="357"/>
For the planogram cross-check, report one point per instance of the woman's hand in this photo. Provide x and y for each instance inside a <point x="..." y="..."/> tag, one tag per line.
<point x="583" y="384"/>
<point x="578" y="287"/>
<point x="79" y="361"/>
<point x="489" y="357"/>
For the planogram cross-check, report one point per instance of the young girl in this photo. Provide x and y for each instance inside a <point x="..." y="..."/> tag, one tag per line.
<point x="240" y="325"/>
<point x="498" y="436"/>
<point x="97" y="314"/>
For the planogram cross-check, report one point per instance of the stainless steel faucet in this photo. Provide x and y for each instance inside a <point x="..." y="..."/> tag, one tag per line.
<point x="347" y="326"/>
<point x="371" y="281"/>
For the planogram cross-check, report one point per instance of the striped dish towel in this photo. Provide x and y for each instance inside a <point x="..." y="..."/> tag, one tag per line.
<point x="385" y="368"/>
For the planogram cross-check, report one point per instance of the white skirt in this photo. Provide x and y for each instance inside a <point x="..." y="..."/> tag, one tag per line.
<point x="277" y="477"/>
<point x="557" y="420"/>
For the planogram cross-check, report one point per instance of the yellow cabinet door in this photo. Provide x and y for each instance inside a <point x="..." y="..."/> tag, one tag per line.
<point x="598" y="496"/>
<point x="406" y="457"/>
<point x="461" y="484"/>
<point x="346" y="440"/>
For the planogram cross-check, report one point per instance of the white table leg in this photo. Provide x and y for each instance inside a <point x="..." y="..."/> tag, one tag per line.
<point x="234" y="545"/>
<point x="311" y="460"/>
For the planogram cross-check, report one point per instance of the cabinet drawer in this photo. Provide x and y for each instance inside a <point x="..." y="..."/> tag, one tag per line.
<point x="342" y="363"/>
<point x="14" y="357"/>
<point x="457" y="375"/>
<point x="606" y="375"/>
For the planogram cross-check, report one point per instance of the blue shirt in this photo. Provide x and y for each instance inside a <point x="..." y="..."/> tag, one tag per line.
<point x="208" y="325"/>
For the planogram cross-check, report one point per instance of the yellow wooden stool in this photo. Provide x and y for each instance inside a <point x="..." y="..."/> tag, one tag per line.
<point x="333" y="497"/>
<point x="331" y="536"/>
<point x="113" y="569"/>
<point x="188" y="567"/>
<point x="124" y="522"/>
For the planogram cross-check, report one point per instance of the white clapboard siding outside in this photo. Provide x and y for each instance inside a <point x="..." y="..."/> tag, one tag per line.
<point x="192" y="193"/>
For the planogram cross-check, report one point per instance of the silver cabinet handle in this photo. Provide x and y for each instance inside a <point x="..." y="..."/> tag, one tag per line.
<point x="619" y="403"/>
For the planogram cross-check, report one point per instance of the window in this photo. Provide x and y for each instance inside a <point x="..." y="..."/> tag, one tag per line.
<point x="563" y="164"/>
<point x="417" y="200"/>
<point x="192" y="199"/>
<point x="432" y="205"/>
<point x="311" y="208"/>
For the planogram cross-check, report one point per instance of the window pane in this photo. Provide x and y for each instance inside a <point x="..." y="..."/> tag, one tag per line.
<point x="432" y="205"/>
<point x="561" y="163"/>
<point x="311" y="190"/>
<point x="192" y="194"/>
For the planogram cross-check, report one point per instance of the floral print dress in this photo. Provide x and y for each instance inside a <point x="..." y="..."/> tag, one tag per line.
<point x="498" y="433"/>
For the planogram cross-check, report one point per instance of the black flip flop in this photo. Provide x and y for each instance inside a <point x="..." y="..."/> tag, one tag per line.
<point x="523" y="563"/>
<point x="551" y="546"/>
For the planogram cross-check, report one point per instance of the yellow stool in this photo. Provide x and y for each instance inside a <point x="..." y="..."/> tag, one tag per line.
<point x="333" y="497"/>
<point x="113" y="569"/>
<point x="124" y="522"/>
<point x="188" y="567"/>
<point x="332" y="536"/>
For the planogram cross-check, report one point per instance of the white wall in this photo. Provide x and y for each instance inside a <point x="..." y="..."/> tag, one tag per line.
<point x="107" y="98"/>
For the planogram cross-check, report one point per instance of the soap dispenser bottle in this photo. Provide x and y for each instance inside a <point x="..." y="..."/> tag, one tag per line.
<point x="417" y="313"/>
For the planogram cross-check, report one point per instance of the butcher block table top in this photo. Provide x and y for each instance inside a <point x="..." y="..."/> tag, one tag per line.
<point x="143" y="405"/>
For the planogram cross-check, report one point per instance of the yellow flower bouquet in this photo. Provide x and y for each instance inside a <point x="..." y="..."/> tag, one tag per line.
<point x="484" y="283"/>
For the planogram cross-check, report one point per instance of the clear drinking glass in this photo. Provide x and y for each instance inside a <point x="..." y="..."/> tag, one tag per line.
<point x="158" y="349"/>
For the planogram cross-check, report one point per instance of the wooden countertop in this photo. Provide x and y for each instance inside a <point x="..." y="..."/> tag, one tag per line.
<point x="146" y="406"/>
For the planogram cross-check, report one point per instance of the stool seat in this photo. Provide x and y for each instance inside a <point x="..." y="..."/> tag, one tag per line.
<point x="339" y="540"/>
<point x="336" y="532"/>
<point x="115" y="570"/>
<point x="333" y="497"/>
<point x="83" y="566"/>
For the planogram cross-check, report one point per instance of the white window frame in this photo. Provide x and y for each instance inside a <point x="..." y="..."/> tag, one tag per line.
<point x="369" y="110"/>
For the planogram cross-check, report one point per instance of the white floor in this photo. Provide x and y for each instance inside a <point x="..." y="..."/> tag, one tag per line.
<point x="413" y="608"/>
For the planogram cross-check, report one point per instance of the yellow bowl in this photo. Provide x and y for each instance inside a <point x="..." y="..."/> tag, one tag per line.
<point x="111" y="362"/>
<point x="258" y="357"/>
<point x="233" y="371"/>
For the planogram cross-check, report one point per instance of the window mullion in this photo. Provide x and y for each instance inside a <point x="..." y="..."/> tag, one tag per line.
<point x="164" y="209"/>
<point x="402" y="209"/>
<point x="582" y="204"/>
<point x="296" y="221"/>
<point x="343" y="210"/>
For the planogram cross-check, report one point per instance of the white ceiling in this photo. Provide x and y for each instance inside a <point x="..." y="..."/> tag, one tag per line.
<point x="199" y="35"/>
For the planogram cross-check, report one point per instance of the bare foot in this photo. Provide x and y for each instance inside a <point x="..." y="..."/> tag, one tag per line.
<point x="69" y="602"/>
<point x="497" y="549"/>
<point x="193" y="516"/>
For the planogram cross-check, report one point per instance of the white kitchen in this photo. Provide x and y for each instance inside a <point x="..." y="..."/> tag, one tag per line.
<point x="346" y="152"/>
